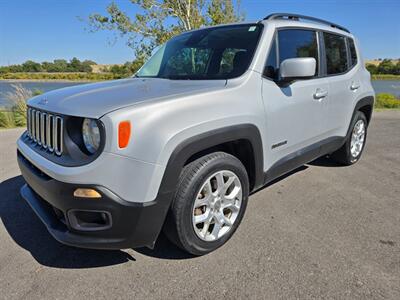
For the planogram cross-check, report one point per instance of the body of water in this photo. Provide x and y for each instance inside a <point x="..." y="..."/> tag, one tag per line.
<point x="6" y="86"/>
<point x="380" y="86"/>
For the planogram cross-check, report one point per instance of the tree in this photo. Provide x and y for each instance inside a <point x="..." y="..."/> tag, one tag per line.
<point x="397" y="68"/>
<point x="31" y="66"/>
<point x="159" y="20"/>
<point x="372" y="68"/>
<point x="386" y="67"/>
<point x="60" y="65"/>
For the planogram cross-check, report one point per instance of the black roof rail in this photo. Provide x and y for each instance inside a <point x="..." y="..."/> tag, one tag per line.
<point x="296" y="17"/>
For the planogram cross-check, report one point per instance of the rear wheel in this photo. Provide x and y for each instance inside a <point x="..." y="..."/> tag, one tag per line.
<point x="209" y="204"/>
<point x="351" y="151"/>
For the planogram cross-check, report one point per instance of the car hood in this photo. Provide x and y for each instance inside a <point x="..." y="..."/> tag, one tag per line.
<point x="96" y="99"/>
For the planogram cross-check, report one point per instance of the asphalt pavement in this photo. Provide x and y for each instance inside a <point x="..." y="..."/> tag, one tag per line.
<point x="323" y="231"/>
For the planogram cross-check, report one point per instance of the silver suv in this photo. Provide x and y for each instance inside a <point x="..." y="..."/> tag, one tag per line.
<point x="214" y="115"/>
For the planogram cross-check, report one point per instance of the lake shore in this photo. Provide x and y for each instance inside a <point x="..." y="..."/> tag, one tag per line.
<point x="48" y="80"/>
<point x="88" y="80"/>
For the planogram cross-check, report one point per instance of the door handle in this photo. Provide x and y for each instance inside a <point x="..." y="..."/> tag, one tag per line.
<point x="320" y="93"/>
<point x="354" y="86"/>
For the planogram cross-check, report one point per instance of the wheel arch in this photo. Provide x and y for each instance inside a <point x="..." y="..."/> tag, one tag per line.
<point x="243" y="141"/>
<point x="365" y="105"/>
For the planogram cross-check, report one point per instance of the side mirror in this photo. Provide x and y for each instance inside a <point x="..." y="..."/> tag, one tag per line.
<point x="296" y="68"/>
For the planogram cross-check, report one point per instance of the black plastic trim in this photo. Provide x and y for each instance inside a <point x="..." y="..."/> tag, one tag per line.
<point x="303" y="156"/>
<point x="210" y="139"/>
<point x="366" y="101"/>
<point x="133" y="224"/>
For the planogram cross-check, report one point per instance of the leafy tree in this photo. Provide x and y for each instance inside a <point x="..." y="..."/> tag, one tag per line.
<point x="60" y="65"/>
<point x="397" y="68"/>
<point x="31" y="66"/>
<point x="386" y="67"/>
<point x="372" y="68"/>
<point x="74" y="65"/>
<point x="159" y="20"/>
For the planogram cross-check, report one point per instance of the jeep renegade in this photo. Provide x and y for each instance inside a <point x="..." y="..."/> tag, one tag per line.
<point x="214" y="115"/>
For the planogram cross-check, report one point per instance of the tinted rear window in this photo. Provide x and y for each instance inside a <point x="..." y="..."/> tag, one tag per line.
<point x="336" y="53"/>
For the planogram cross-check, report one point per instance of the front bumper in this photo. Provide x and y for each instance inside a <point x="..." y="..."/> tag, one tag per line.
<point x="131" y="224"/>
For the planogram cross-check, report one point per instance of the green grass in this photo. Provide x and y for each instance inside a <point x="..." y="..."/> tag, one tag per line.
<point x="60" y="76"/>
<point x="7" y="119"/>
<point x="387" y="101"/>
<point x="385" y="77"/>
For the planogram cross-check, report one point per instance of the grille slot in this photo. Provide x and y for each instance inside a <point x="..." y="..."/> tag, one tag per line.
<point x="45" y="130"/>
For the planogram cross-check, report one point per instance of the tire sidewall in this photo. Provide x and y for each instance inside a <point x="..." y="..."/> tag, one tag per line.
<point x="190" y="238"/>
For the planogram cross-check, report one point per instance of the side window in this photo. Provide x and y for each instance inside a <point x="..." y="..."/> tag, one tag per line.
<point x="336" y="54"/>
<point x="271" y="67"/>
<point x="297" y="43"/>
<point x="353" y="52"/>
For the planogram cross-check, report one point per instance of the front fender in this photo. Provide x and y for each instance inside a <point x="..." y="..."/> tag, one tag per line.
<point x="195" y="144"/>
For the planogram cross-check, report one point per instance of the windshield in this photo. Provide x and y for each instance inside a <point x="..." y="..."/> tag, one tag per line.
<point x="212" y="53"/>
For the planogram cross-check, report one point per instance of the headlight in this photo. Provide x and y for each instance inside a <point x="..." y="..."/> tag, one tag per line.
<point x="91" y="135"/>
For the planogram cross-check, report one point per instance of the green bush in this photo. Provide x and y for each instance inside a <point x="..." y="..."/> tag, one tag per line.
<point x="386" y="100"/>
<point x="7" y="119"/>
<point x="16" y="116"/>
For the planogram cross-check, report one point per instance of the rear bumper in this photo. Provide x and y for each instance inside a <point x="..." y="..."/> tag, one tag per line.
<point x="131" y="224"/>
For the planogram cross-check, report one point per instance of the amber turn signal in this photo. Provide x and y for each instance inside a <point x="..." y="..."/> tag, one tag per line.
<point x="86" y="193"/>
<point x="124" y="133"/>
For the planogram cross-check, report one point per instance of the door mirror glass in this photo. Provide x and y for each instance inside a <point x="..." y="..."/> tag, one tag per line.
<point x="296" y="68"/>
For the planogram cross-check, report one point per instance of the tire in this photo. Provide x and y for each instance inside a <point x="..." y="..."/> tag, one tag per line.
<point x="345" y="155"/>
<point x="198" y="184"/>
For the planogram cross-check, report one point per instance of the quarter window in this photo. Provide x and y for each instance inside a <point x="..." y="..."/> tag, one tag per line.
<point x="353" y="52"/>
<point x="336" y="54"/>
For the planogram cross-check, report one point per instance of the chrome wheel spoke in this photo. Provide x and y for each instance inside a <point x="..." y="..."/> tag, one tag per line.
<point x="205" y="228"/>
<point x="234" y="193"/>
<point x="202" y="202"/>
<point x="220" y="182"/>
<point x="227" y="221"/>
<point x="228" y="184"/>
<point x="216" y="229"/>
<point x="202" y="218"/>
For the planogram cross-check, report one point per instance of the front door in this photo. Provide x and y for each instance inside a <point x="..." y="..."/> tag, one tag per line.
<point x="295" y="119"/>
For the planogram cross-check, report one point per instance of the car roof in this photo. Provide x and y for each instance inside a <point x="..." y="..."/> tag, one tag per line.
<point x="279" y="20"/>
<point x="305" y="24"/>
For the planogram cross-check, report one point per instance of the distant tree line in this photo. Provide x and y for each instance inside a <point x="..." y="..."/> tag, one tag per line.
<point x="386" y="66"/>
<point x="127" y="69"/>
<point x="58" y="65"/>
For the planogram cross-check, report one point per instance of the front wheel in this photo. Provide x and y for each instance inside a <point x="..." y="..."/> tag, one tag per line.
<point x="209" y="203"/>
<point x="351" y="151"/>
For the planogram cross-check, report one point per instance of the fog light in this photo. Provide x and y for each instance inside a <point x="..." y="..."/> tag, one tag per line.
<point x="86" y="193"/>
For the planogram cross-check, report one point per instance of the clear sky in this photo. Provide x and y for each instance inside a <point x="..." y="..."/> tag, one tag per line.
<point x="49" y="29"/>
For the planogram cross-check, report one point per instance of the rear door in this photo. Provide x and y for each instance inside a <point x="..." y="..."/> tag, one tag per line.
<point x="344" y="82"/>
<point x="294" y="115"/>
